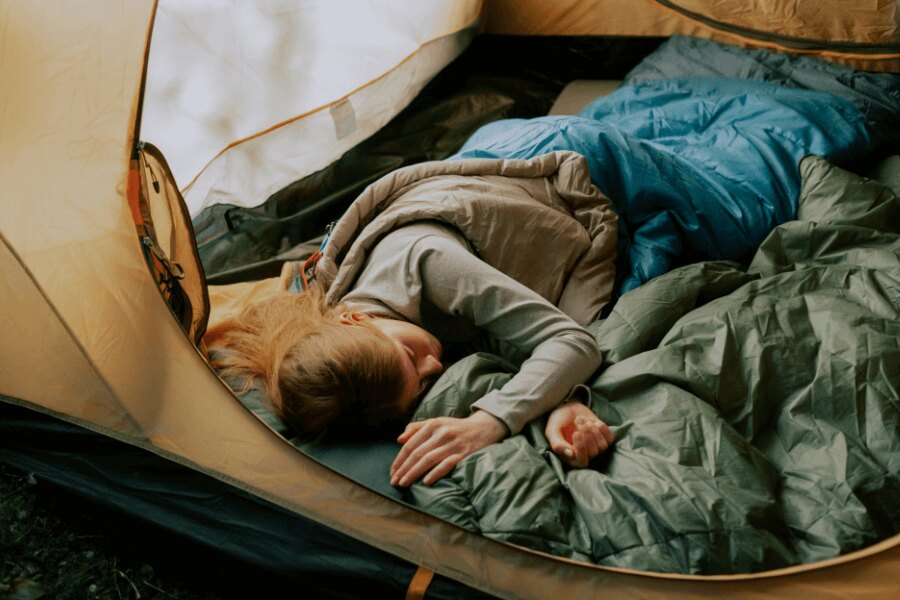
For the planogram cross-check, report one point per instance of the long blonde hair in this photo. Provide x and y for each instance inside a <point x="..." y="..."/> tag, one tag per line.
<point x="320" y="373"/>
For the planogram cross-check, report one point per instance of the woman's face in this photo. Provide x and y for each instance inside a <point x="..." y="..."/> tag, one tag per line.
<point x="420" y="357"/>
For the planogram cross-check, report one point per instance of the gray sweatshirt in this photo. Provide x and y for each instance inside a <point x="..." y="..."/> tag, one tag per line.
<point x="427" y="273"/>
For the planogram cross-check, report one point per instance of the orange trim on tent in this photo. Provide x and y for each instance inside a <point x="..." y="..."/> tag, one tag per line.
<point x="133" y="192"/>
<point x="419" y="584"/>
<point x="139" y="109"/>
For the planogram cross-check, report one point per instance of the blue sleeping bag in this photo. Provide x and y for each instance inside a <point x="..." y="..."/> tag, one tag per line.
<point x="696" y="168"/>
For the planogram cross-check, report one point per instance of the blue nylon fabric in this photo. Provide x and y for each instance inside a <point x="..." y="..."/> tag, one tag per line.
<point x="695" y="167"/>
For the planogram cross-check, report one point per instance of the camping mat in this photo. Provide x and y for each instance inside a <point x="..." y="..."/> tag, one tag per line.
<point x="497" y="77"/>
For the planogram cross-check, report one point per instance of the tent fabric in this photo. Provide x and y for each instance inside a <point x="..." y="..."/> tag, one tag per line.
<point x="88" y="340"/>
<point x="862" y="36"/>
<point x="277" y="90"/>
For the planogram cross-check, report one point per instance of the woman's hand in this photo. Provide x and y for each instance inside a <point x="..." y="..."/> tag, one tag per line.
<point x="576" y="434"/>
<point x="434" y="447"/>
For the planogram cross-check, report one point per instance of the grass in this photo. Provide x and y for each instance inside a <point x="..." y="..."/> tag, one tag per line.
<point x="53" y="546"/>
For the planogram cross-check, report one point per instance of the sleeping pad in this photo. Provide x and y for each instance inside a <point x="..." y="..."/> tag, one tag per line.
<point x="756" y="410"/>
<point x="696" y="168"/>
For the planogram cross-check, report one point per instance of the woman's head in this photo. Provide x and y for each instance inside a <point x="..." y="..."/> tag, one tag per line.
<point x="334" y="374"/>
<point x="321" y="369"/>
<point x="419" y="355"/>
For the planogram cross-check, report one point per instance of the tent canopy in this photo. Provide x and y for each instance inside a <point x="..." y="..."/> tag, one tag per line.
<point x="84" y="333"/>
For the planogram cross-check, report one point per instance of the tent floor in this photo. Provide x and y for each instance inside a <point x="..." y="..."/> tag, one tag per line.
<point x="176" y="509"/>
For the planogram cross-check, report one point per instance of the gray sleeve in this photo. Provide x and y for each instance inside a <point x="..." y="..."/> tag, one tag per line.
<point x="429" y="264"/>
<point x="560" y="353"/>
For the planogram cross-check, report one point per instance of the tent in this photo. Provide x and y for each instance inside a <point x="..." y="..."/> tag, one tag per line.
<point x="104" y="392"/>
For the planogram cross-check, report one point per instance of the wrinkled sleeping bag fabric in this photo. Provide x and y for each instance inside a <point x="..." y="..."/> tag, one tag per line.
<point x="757" y="411"/>
<point x="876" y="95"/>
<point x="695" y="167"/>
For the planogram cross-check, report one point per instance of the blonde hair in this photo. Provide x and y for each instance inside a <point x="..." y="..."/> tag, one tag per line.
<point x="320" y="373"/>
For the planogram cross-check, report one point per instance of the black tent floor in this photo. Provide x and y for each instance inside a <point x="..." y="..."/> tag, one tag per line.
<point x="257" y="549"/>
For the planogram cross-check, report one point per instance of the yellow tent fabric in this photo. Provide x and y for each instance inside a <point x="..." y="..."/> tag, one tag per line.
<point x="86" y="337"/>
<point x="864" y="35"/>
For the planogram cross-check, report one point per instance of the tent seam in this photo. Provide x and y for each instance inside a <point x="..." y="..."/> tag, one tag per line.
<point x="90" y="363"/>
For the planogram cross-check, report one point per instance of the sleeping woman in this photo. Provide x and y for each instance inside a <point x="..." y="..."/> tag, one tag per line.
<point x="432" y="262"/>
<point x="511" y="247"/>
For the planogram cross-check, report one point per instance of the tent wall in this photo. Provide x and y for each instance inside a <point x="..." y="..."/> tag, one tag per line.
<point x="77" y="295"/>
<point x="36" y="343"/>
<point x="865" y="35"/>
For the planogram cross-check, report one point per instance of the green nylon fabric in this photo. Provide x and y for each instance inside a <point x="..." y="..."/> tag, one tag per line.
<point x="757" y="410"/>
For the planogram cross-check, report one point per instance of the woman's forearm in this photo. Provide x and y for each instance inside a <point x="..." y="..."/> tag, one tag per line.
<point x="544" y="380"/>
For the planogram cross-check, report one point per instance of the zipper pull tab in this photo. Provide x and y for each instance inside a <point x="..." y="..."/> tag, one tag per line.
<point x="153" y="178"/>
<point x="328" y="229"/>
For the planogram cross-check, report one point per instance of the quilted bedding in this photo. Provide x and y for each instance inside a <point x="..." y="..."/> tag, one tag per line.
<point x="757" y="410"/>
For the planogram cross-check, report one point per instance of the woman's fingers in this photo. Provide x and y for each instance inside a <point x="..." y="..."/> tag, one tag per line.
<point x="600" y="436"/>
<point x="429" y="462"/>
<point x="575" y="434"/>
<point x="607" y="433"/>
<point x="587" y="442"/>
<point x="412" y="439"/>
<point x="438" y="444"/>
<point x="559" y="436"/>
<point x="422" y="441"/>
<point x="443" y="468"/>
<point x="411" y="429"/>
<point x="581" y="457"/>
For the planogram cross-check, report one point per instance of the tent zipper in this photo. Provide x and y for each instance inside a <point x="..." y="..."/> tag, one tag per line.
<point x="153" y="178"/>
<point x="173" y="268"/>
<point x="789" y="42"/>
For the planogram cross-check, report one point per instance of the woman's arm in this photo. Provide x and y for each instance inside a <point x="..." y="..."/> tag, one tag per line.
<point x="556" y="353"/>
